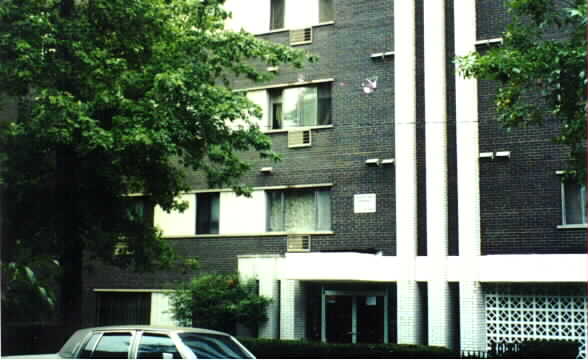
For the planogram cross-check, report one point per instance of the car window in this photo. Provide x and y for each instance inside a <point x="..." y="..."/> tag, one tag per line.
<point x="69" y="349"/>
<point x="212" y="346"/>
<point x="110" y="346"/>
<point x="157" y="346"/>
<point x="89" y="347"/>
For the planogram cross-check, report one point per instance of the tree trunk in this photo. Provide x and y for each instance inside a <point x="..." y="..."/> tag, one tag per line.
<point x="70" y="236"/>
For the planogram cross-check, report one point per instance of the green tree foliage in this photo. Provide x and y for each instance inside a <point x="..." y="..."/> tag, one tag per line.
<point x="120" y="97"/>
<point x="218" y="301"/>
<point x="542" y="61"/>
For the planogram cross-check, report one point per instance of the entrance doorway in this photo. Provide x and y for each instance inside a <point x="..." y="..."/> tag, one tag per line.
<point x="355" y="317"/>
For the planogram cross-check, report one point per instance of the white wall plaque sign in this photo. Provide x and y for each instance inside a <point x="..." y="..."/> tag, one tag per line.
<point x="364" y="203"/>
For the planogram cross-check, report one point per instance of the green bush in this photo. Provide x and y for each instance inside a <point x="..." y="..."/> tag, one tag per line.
<point x="295" y="349"/>
<point x="218" y="301"/>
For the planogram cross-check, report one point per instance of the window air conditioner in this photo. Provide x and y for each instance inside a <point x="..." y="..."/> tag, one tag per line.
<point x="299" y="138"/>
<point x="298" y="243"/>
<point x="301" y="36"/>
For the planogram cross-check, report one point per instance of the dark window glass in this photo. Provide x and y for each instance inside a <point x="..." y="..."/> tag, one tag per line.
<point x="277" y="14"/>
<point x="207" y="213"/>
<point x="326" y="10"/>
<point x="155" y="346"/>
<point x="124" y="308"/>
<point x="276" y="108"/>
<point x="113" y="346"/>
<point x="324" y="105"/>
<point x="574" y="203"/>
<point x="211" y="346"/>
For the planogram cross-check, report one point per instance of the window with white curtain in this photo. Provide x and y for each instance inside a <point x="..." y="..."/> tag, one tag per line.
<point x="573" y="203"/>
<point x="299" y="210"/>
<point x="301" y="106"/>
<point x="293" y="14"/>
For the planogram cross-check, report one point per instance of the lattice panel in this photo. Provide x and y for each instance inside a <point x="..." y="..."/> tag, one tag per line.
<point x="515" y="313"/>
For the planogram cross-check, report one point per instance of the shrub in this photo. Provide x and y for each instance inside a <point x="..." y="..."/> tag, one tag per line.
<point x="296" y="349"/>
<point x="543" y="349"/>
<point x="218" y="301"/>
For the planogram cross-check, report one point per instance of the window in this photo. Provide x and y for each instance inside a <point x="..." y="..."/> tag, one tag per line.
<point x="116" y="308"/>
<point x="573" y="203"/>
<point x="212" y="346"/>
<point x="156" y="346"/>
<point x="299" y="210"/>
<point x="300" y="106"/>
<point x="110" y="346"/>
<point x="207" y="213"/>
<point x="326" y="11"/>
<point x="277" y="12"/>
<point x="139" y="209"/>
<point x="287" y="13"/>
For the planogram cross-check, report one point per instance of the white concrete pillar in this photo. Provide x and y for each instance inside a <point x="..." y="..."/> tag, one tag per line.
<point x="440" y="324"/>
<point x="292" y="310"/>
<point x="472" y="316"/>
<point x="410" y="316"/>
<point x="408" y="324"/>
<point x="271" y="289"/>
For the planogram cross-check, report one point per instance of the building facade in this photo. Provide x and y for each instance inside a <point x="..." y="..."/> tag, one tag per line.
<point x="401" y="212"/>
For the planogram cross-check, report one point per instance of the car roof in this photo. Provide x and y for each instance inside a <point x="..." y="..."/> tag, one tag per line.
<point x="156" y="328"/>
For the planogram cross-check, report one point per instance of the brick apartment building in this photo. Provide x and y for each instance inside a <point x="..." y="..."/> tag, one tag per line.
<point x="401" y="211"/>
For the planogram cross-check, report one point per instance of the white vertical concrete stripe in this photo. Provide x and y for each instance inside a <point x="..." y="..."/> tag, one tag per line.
<point x="440" y="324"/>
<point x="436" y="126"/>
<point x="466" y="94"/>
<point x="405" y="128"/>
<point x="471" y="302"/>
<point x="408" y="324"/>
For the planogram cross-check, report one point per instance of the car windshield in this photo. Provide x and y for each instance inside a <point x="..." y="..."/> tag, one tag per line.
<point x="213" y="346"/>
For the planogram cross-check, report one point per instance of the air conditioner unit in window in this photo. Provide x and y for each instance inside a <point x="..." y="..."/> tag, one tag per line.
<point x="301" y="36"/>
<point x="298" y="243"/>
<point x="299" y="138"/>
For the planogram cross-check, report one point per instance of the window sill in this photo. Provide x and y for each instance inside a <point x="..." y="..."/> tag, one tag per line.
<point x="277" y="31"/>
<point x="278" y="131"/>
<point x="572" y="226"/>
<point x="265" y="234"/>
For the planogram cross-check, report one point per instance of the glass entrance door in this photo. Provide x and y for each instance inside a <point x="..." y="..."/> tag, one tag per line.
<point x="370" y="319"/>
<point x="339" y="319"/>
<point x="355" y="317"/>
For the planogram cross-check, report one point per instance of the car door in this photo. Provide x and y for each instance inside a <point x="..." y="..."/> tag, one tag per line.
<point x="108" y="345"/>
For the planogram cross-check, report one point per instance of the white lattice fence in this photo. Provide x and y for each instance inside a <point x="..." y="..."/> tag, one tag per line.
<point x="515" y="313"/>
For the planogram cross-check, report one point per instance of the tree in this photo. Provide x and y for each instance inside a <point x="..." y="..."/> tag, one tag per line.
<point x="119" y="97"/>
<point x="218" y="301"/>
<point x="541" y="69"/>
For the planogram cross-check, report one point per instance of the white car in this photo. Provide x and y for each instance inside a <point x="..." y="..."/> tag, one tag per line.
<point x="147" y="342"/>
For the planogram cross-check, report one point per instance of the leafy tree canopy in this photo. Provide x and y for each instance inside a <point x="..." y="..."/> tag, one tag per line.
<point x="542" y="59"/>
<point x="120" y="97"/>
